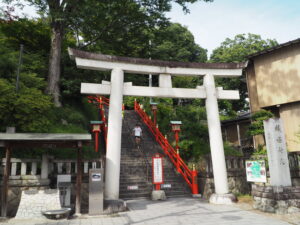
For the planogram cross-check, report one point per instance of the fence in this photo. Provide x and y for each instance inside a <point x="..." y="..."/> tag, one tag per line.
<point x="41" y="168"/>
<point x="236" y="165"/>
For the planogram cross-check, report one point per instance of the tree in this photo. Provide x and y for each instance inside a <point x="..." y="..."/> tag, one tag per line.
<point x="176" y="43"/>
<point x="257" y="125"/>
<point x="80" y="15"/>
<point x="237" y="50"/>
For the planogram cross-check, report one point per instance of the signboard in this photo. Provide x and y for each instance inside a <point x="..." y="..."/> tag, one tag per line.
<point x="166" y="185"/>
<point x="277" y="153"/>
<point x="157" y="169"/>
<point x="133" y="187"/>
<point x="96" y="176"/>
<point x="256" y="171"/>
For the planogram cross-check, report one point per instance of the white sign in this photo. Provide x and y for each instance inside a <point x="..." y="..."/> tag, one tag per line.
<point x="166" y="185"/>
<point x="157" y="170"/>
<point x="277" y="153"/>
<point x="256" y="171"/>
<point x="96" y="176"/>
<point x="133" y="187"/>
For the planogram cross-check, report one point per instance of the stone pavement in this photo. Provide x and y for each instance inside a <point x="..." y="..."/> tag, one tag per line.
<point x="175" y="211"/>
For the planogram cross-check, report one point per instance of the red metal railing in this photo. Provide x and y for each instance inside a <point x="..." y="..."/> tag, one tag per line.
<point x="190" y="176"/>
<point x="101" y="101"/>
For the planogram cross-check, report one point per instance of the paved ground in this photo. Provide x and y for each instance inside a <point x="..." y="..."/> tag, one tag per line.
<point x="177" y="211"/>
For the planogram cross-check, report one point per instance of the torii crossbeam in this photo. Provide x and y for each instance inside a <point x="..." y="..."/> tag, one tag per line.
<point x="116" y="88"/>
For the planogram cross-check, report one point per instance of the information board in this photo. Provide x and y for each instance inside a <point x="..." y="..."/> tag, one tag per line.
<point x="256" y="171"/>
<point x="157" y="168"/>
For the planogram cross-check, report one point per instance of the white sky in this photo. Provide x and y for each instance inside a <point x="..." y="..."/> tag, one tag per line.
<point x="212" y="23"/>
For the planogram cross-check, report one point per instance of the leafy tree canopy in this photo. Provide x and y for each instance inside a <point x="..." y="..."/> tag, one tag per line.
<point x="237" y="50"/>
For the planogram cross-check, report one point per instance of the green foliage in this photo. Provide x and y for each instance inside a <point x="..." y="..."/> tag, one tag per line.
<point x="229" y="150"/>
<point x="261" y="150"/>
<point x="26" y="110"/>
<point x="237" y="50"/>
<point x="176" y="43"/>
<point x="257" y="126"/>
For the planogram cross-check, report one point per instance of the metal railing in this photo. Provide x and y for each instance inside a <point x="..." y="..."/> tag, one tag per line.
<point x="190" y="176"/>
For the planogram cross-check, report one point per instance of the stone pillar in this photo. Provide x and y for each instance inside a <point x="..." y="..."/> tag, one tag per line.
<point x="78" y="180"/>
<point x="216" y="143"/>
<point x="33" y="168"/>
<point x="113" y="155"/>
<point x="45" y="165"/>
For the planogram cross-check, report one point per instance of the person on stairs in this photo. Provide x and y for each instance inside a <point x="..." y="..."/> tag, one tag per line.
<point x="137" y="130"/>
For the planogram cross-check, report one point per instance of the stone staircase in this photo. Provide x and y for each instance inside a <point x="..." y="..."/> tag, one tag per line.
<point x="136" y="164"/>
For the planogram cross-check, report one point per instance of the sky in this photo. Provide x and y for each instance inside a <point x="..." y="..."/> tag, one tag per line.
<point x="211" y="23"/>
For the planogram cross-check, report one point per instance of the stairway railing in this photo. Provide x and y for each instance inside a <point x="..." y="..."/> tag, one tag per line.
<point x="190" y="176"/>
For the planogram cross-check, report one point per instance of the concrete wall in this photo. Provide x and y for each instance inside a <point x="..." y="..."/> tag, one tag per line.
<point x="14" y="196"/>
<point x="274" y="79"/>
<point x="277" y="76"/>
<point x="252" y="88"/>
<point x="236" y="184"/>
<point x="290" y="114"/>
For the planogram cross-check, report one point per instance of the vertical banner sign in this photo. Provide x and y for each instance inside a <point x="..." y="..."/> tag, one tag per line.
<point x="256" y="171"/>
<point x="157" y="170"/>
<point x="277" y="153"/>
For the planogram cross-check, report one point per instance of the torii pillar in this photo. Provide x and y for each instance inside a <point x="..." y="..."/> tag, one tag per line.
<point x="116" y="89"/>
<point x="113" y="154"/>
<point x="222" y="195"/>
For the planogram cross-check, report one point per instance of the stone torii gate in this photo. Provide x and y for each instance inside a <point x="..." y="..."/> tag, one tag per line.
<point x="116" y="88"/>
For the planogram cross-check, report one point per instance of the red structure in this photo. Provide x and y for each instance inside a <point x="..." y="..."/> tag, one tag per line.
<point x="190" y="176"/>
<point x="154" y="110"/>
<point x="176" y="129"/>
<point x="157" y="171"/>
<point x="101" y="102"/>
<point x="96" y="129"/>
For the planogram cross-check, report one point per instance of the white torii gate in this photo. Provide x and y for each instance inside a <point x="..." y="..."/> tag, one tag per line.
<point x="116" y="88"/>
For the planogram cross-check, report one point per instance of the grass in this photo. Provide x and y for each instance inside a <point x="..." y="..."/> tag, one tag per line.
<point x="245" y="199"/>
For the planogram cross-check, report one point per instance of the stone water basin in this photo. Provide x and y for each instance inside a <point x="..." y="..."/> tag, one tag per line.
<point x="57" y="214"/>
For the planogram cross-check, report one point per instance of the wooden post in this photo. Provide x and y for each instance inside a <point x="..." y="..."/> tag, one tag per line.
<point x="5" y="182"/>
<point x="177" y="160"/>
<point x="78" y="179"/>
<point x="195" y="190"/>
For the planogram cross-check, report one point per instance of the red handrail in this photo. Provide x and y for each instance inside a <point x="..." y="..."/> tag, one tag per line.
<point x="190" y="176"/>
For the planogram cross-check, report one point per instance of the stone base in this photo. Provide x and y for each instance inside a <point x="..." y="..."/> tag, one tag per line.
<point x="196" y="195"/>
<point x="225" y="199"/>
<point x="158" y="195"/>
<point x="114" y="206"/>
<point x="279" y="200"/>
<point x="33" y="202"/>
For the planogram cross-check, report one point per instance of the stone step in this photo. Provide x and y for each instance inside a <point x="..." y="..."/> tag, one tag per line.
<point x="134" y="163"/>
<point x="129" y="195"/>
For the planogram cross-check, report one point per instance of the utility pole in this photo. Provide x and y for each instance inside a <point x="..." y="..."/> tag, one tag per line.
<point x="150" y="75"/>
